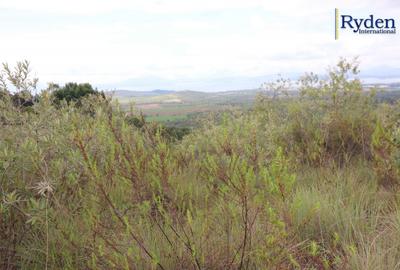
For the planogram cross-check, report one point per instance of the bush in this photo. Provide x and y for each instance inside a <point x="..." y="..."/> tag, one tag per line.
<point x="332" y="120"/>
<point x="91" y="192"/>
<point x="289" y="185"/>
<point x="73" y="92"/>
<point x="386" y="146"/>
<point x="19" y="80"/>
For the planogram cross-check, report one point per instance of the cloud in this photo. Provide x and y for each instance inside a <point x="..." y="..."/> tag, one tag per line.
<point x="105" y="42"/>
<point x="293" y="7"/>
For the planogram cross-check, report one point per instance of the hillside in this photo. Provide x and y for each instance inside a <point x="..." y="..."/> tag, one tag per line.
<point x="309" y="181"/>
<point x="180" y="108"/>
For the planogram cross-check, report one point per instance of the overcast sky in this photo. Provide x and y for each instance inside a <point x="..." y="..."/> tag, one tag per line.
<point x="190" y="44"/>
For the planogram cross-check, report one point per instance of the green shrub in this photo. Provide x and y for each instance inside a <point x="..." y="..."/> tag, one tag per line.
<point x="333" y="119"/>
<point x="386" y="146"/>
<point x="293" y="184"/>
<point x="73" y="92"/>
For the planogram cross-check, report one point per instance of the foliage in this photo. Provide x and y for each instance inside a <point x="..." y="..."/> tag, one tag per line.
<point x="73" y="92"/>
<point x="19" y="80"/>
<point x="386" y="145"/>
<point x="273" y="188"/>
<point x="333" y="119"/>
<point x="170" y="133"/>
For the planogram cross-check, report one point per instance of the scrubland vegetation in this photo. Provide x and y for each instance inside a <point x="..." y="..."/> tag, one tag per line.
<point x="307" y="182"/>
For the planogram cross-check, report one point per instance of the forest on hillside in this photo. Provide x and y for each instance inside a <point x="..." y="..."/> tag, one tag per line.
<point x="296" y="182"/>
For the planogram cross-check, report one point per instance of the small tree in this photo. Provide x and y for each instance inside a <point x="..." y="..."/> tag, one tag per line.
<point x="19" y="81"/>
<point x="73" y="92"/>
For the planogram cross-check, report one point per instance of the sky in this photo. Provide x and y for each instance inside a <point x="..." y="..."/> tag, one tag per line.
<point x="205" y="45"/>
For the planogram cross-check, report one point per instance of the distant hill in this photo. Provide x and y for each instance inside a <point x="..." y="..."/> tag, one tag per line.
<point x="160" y="94"/>
<point x="186" y="96"/>
<point x="176" y="107"/>
<point x="130" y="93"/>
<point x="181" y="103"/>
<point x="159" y="98"/>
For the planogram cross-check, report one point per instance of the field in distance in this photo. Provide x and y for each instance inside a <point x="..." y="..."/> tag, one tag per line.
<point x="178" y="107"/>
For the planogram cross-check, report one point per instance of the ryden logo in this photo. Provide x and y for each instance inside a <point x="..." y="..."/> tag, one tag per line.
<point x="368" y="25"/>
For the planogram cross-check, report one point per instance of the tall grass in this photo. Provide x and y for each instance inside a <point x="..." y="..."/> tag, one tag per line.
<point x="294" y="184"/>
